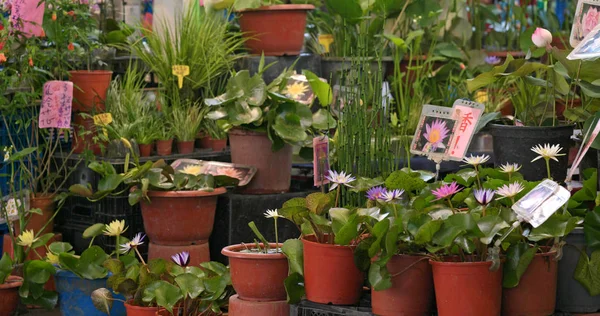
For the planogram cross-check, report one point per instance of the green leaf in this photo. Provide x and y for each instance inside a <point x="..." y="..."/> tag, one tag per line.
<point x="165" y="294"/>
<point x="349" y="10"/>
<point x="94" y="231"/>
<point x="424" y="11"/>
<point x="490" y="226"/>
<point x="321" y="89"/>
<point x="379" y="231"/>
<point x="38" y="271"/>
<point x="190" y="285"/>
<point x="339" y="218"/>
<point x="47" y="299"/>
<point x="294" y="287"/>
<point x="587" y="272"/>
<point x="259" y="235"/>
<point x="81" y="190"/>
<point x="489" y="77"/>
<point x="319" y="203"/>
<point x="349" y="231"/>
<point x="6" y="267"/>
<point x="90" y="263"/>
<point x="102" y="300"/>
<point x="591" y="229"/>
<point x="363" y="184"/>
<point x="323" y="120"/>
<point x="293" y="250"/>
<point x="379" y="277"/>
<point x="518" y="258"/>
<point x="42" y="240"/>
<point x="215" y="267"/>
<point x="557" y="225"/>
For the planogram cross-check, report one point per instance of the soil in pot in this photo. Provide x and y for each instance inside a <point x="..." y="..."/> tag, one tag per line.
<point x="9" y="295"/>
<point x="85" y="134"/>
<point x="145" y="150"/>
<point x="185" y="147"/>
<point x="330" y="275"/>
<point x="275" y="30"/>
<point x="412" y="288"/>
<point x="164" y="147"/>
<point x="273" y="169"/>
<point x="257" y="276"/>
<point x="467" y="288"/>
<point x="90" y="90"/>
<point x="512" y="144"/>
<point x="536" y="293"/>
<point x="180" y="217"/>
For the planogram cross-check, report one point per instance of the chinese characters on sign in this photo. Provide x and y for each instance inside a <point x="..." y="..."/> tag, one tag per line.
<point x="27" y="16"/>
<point x="467" y="117"/>
<point x="56" y="105"/>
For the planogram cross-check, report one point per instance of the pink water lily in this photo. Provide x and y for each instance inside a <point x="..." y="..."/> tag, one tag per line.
<point x="446" y="191"/>
<point x="541" y="37"/>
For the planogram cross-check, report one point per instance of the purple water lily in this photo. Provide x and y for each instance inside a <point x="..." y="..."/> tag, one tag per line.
<point x="182" y="259"/>
<point x="493" y="60"/>
<point x="484" y="196"/>
<point x="376" y="193"/>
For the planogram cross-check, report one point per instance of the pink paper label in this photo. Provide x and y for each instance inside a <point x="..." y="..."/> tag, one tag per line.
<point x="320" y="160"/>
<point x="26" y="16"/>
<point x="56" y="105"/>
<point x="467" y="118"/>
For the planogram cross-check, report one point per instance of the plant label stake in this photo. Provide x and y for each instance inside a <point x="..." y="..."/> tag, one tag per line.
<point x="56" y="105"/>
<point x="320" y="160"/>
<point x="103" y="120"/>
<point x="181" y="71"/>
<point x="467" y="115"/>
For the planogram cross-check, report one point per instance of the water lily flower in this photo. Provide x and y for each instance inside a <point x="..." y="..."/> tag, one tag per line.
<point x="446" y="191"/>
<point x="193" y="170"/>
<point x="483" y="196"/>
<point x="27" y="238"/>
<point x="135" y="242"/>
<point x="547" y="152"/>
<point x="376" y="193"/>
<point x="339" y="179"/>
<point x="493" y="60"/>
<point x="391" y="196"/>
<point x="476" y="160"/>
<point x="115" y="228"/>
<point x="510" y="168"/>
<point x="510" y="190"/>
<point x="273" y="214"/>
<point x="2" y="58"/>
<point x="182" y="259"/>
<point x="541" y="37"/>
<point x="52" y="258"/>
<point x="436" y="133"/>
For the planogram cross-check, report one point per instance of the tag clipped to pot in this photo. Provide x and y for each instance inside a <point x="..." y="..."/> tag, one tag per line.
<point x="541" y="202"/>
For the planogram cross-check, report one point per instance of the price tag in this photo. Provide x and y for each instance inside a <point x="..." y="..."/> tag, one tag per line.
<point x="326" y="40"/>
<point x="103" y="119"/>
<point x="181" y="71"/>
<point x="467" y="115"/>
<point x="320" y="160"/>
<point x="56" y="104"/>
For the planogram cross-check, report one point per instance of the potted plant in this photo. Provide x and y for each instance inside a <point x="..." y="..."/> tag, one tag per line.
<point x="214" y="136"/>
<point x="9" y="287"/>
<point x="186" y="121"/>
<point x="261" y="21"/>
<point x="164" y="143"/>
<point x="258" y="270"/>
<point x="69" y="26"/>
<point x="264" y="123"/>
<point x="146" y="132"/>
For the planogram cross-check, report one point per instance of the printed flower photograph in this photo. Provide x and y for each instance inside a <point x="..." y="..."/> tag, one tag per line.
<point x="435" y="135"/>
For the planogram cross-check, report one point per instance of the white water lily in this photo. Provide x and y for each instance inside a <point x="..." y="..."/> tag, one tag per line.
<point x="137" y="240"/>
<point x="510" y="168"/>
<point x="115" y="228"/>
<point x="476" y="160"/>
<point x="339" y="179"/>
<point x="273" y="214"/>
<point x="547" y="152"/>
<point x="510" y="190"/>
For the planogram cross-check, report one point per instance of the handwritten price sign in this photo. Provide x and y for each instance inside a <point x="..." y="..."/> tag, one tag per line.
<point x="27" y="16"/>
<point x="56" y="105"/>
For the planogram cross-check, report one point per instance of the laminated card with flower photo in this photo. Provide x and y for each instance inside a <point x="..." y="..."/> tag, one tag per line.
<point x="434" y="133"/>
<point x="587" y="17"/>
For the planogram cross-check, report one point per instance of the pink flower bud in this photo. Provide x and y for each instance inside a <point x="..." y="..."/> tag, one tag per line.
<point x="541" y="37"/>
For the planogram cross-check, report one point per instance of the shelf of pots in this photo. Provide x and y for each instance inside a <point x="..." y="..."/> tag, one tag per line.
<point x="261" y="21"/>
<point x="267" y="119"/>
<point x="189" y="197"/>
<point x="159" y="286"/>
<point x="547" y="100"/>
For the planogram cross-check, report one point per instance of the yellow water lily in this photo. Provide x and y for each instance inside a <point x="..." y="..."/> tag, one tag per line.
<point x="27" y="238"/>
<point x="51" y="258"/>
<point x="296" y="90"/>
<point x="115" y="228"/>
<point x="193" y="169"/>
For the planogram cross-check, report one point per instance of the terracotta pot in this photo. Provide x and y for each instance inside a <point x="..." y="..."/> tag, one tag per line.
<point x="84" y="134"/>
<point x="467" y="288"/>
<point x="412" y="288"/>
<point x="133" y="310"/>
<point x="164" y="312"/>
<point x="164" y="147"/>
<point x="214" y="144"/>
<point x="273" y="169"/>
<point x="536" y="293"/>
<point x="186" y="147"/>
<point x="330" y="275"/>
<point x="145" y="150"/>
<point x="275" y="30"/>
<point x="179" y="218"/>
<point x="241" y="307"/>
<point x="90" y="89"/>
<point x="9" y="295"/>
<point x="45" y="202"/>
<point x="256" y="276"/>
<point x="199" y="253"/>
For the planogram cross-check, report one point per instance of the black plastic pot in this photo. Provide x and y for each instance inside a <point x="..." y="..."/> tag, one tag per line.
<point x="512" y="144"/>
<point x="571" y="296"/>
<point x="334" y="69"/>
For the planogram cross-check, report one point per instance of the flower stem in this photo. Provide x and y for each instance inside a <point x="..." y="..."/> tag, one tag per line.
<point x="451" y="207"/>
<point x="512" y="199"/>
<point x="337" y="195"/>
<point x="509" y="176"/>
<point x="276" y="237"/>
<point x="395" y="211"/>
<point x="477" y="176"/>
<point x="139" y="255"/>
<point x="117" y="245"/>
<point x="548" y="167"/>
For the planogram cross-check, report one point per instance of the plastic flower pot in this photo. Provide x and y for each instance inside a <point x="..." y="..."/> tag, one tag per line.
<point x="9" y="295"/>
<point x="164" y="147"/>
<point x="239" y="307"/>
<point x="275" y="30"/>
<point x="133" y="310"/>
<point x="85" y="134"/>
<point x="179" y="218"/>
<point x="214" y="144"/>
<point x="90" y="90"/>
<point x="145" y="149"/>
<point x="536" y="293"/>
<point x="512" y="144"/>
<point x="45" y="202"/>
<point x="185" y="147"/>
<point x="412" y="288"/>
<point x="273" y="169"/>
<point x="330" y="275"/>
<point x="257" y="276"/>
<point x="74" y="295"/>
<point x="467" y="288"/>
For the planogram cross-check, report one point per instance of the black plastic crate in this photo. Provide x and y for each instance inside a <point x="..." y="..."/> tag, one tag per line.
<point x="307" y="308"/>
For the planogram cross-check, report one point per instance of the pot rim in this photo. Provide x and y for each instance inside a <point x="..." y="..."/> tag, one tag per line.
<point x="90" y="72"/>
<point x="320" y="245"/>
<point x="461" y="264"/>
<point x="187" y="194"/>
<point x="43" y="196"/>
<point x="12" y="282"/>
<point x="349" y="59"/>
<point x="239" y="131"/>
<point x="127" y="304"/>
<point x="530" y="128"/>
<point x="233" y="251"/>
<point x="281" y="7"/>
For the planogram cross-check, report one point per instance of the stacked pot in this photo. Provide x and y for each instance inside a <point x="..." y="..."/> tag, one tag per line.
<point x="258" y="278"/>
<point x="89" y="94"/>
<point x="177" y="221"/>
